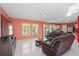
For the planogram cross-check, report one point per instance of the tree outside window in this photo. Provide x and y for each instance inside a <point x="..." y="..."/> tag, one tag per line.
<point x="34" y="28"/>
<point x="51" y="27"/>
<point x="47" y="29"/>
<point x="26" y="29"/>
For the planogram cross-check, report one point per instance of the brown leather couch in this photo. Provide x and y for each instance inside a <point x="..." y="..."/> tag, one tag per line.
<point x="54" y="34"/>
<point x="59" y="45"/>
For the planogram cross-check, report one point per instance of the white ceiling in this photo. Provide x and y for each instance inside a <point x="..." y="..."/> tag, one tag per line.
<point x="52" y="12"/>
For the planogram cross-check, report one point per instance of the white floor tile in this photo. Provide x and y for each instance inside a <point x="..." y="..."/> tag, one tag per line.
<point x="28" y="48"/>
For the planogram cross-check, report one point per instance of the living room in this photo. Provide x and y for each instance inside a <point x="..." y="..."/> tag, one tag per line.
<point x="29" y="26"/>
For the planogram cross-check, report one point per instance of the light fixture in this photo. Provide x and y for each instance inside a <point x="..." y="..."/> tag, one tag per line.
<point x="73" y="9"/>
<point x="45" y="15"/>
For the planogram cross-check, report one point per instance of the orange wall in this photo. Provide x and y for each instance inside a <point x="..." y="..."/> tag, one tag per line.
<point x="17" y="26"/>
<point x="4" y="21"/>
<point x="17" y="29"/>
<point x="0" y="24"/>
<point x="78" y="30"/>
<point x="4" y="26"/>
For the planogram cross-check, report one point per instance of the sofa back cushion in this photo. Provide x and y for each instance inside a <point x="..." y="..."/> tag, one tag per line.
<point x="63" y="38"/>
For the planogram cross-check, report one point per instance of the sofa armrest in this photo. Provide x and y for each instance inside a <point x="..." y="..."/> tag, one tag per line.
<point x="48" y="50"/>
<point x="47" y="45"/>
<point x="44" y="43"/>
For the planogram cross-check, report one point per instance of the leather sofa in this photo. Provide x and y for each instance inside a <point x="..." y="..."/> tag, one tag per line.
<point x="59" y="45"/>
<point x="53" y="34"/>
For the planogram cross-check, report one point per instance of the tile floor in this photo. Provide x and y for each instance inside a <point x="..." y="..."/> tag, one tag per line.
<point x="28" y="48"/>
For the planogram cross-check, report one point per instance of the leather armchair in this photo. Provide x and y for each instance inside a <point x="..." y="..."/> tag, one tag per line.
<point x="59" y="45"/>
<point x="53" y="34"/>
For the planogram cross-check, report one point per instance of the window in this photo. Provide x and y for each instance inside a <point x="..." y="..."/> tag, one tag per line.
<point x="10" y="28"/>
<point x="58" y="27"/>
<point x="34" y="28"/>
<point x="53" y="27"/>
<point x="64" y="28"/>
<point x="47" y="29"/>
<point x="70" y="29"/>
<point x="26" y="29"/>
<point x="76" y="25"/>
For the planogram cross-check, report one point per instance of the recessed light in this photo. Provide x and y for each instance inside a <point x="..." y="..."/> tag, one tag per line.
<point x="45" y="15"/>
